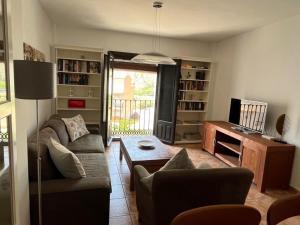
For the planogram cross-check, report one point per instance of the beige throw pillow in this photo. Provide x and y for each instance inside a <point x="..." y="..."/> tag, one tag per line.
<point x="65" y="161"/>
<point x="180" y="161"/>
<point x="76" y="127"/>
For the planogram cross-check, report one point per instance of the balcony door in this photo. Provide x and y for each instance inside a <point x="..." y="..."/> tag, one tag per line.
<point x="7" y="120"/>
<point x="130" y="92"/>
<point x="166" y="104"/>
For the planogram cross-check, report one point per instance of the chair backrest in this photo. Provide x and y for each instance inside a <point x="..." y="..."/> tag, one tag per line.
<point x="176" y="191"/>
<point x="219" y="215"/>
<point x="283" y="209"/>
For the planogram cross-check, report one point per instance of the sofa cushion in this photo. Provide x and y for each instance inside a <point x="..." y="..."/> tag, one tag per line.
<point x="180" y="161"/>
<point x="76" y="127"/>
<point x="94" y="164"/>
<point x="56" y="123"/>
<point x="65" y="161"/>
<point x="49" y="170"/>
<point x="90" y="143"/>
<point x="45" y="134"/>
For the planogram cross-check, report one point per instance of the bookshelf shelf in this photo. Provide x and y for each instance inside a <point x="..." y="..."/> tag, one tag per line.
<point x="77" y="109"/>
<point x="78" y="85"/>
<point x="191" y="111"/>
<point x="79" y="81"/>
<point x="85" y="73"/>
<point x="194" y="91"/>
<point x="78" y="97"/>
<point x="193" y="99"/>
<point x="195" y="80"/>
<point x="79" y="59"/>
<point x="196" y="69"/>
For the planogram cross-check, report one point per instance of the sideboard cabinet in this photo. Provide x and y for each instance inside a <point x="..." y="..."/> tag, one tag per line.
<point x="271" y="162"/>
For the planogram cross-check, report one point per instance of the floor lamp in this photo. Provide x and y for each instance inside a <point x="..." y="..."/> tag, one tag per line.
<point x="35" y="81"/>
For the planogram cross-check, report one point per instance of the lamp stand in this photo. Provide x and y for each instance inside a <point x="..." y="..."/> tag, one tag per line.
<point x="39" y="167"/>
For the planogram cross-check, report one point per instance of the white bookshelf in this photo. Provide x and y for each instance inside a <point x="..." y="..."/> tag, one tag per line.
<point x="79" y="78"/>
<point x="192" y="101"/>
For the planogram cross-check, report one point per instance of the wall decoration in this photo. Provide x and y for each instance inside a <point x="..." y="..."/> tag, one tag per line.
<point x="32" y="54"/>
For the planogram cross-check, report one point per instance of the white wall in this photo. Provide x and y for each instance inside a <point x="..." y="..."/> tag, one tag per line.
<point x="263" y="64"/>
<point x="119" y="41"/>
<point x="30" y="24"/>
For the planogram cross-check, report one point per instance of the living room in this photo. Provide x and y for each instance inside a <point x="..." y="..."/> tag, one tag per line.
<point x="247" y="50"/>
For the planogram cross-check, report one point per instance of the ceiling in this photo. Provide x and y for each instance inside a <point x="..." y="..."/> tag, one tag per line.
<point x="206" y="20"/>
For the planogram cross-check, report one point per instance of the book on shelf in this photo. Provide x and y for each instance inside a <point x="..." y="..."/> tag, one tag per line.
<point x="192" y="85"/>
<point x="78" y="79"/>
<point x="68" y="65"/>
<point x="191" y="106"/>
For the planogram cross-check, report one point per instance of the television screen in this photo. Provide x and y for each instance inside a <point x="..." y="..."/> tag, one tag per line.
<point x="248" y="114"/>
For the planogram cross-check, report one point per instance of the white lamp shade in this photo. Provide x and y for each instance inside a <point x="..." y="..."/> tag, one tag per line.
<point x="153" y="58"/>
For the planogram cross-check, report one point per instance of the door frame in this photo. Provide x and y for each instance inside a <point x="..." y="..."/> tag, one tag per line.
<point x="7" y="108"/>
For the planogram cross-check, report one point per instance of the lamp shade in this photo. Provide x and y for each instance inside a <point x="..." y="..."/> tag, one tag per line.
<point x="153" y="58"/>
<point x="34" y="80"/>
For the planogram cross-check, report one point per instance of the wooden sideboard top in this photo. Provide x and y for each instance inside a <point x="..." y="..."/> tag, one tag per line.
<point x="226" y="128"/>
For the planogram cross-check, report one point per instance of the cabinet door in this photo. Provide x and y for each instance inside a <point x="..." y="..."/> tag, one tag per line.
<point x="251" y="160"/>
<point x="209" y="138"/>
<point x="166" y="102"/>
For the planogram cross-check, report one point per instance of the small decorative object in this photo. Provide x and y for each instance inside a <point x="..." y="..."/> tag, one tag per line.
<point x="90" y="93"/>
<point x="76" y="103"/>
<point x="188" y="75"/>
<point x="146" y="144"/>
<point x="71" y="93"/>
<point x="280" y="128"/>
<point x="32" y="54"/>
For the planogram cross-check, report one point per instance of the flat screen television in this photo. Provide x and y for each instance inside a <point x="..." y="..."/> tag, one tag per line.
<point x="248" y="114"/>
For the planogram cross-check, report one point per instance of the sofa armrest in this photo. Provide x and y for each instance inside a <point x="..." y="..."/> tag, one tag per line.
<point x="141" y="172"/>
<point x="67" y="185"/>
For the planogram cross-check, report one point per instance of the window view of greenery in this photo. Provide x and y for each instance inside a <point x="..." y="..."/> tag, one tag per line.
<point x="2" y="83"/>
<point x="133" y="102"/>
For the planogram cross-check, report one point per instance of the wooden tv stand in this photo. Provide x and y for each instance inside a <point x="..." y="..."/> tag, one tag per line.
<point x="271" y="162"/>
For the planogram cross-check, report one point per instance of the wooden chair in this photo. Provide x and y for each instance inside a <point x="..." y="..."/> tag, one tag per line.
<point x="283" y="209"/>
<point x="219" y="215"/>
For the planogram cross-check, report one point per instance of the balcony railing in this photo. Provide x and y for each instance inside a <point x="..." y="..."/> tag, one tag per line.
<point x="132" y="117"/>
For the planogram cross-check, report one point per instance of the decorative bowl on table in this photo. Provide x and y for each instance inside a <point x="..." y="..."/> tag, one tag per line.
<point x="146" y="144"/>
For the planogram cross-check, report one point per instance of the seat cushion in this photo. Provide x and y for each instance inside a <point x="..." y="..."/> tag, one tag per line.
<point x="94" y="164"/>
<point x="59" y="126"/>
<point x="89" y="143"/>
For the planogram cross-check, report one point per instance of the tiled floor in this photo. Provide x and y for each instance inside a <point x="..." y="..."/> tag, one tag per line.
<point x="123" y="209"/>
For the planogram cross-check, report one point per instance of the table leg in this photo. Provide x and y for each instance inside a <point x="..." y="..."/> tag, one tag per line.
<point x="131" y="180"/>
<point x="121" y="154"/>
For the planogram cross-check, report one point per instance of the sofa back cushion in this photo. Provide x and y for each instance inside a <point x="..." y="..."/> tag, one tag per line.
<point x="56" y="123"/>
<point x="49" y="170"/>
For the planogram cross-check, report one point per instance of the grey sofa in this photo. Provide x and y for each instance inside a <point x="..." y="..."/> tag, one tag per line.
<point x="175" y="191"/>
<point x="70" y="201"/>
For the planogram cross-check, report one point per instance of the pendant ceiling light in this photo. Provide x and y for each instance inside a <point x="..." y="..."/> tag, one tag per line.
<point x="155" y="57"/>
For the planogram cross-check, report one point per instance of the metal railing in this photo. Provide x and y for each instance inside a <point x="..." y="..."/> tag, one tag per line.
<point x="132" y="117"/>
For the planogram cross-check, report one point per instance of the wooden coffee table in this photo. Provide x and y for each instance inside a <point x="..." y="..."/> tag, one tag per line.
<point x="151" y="159"/>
